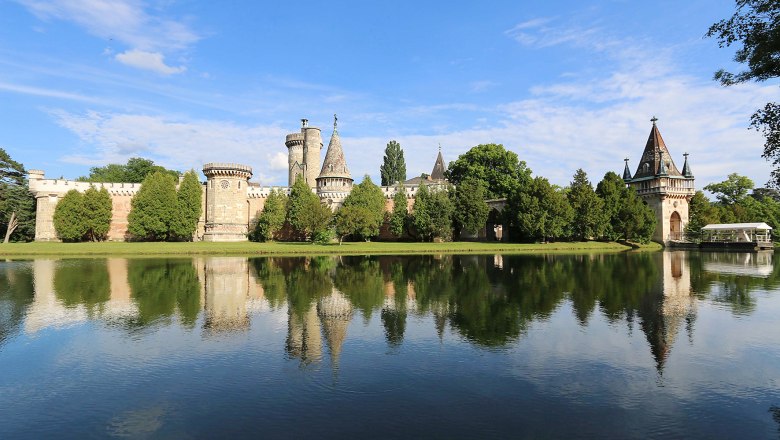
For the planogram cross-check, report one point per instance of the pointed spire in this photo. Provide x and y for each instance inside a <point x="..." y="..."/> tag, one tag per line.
<point x="626" y="171"/>
<point x="438" y="167"/>
<point x="655" y="156"/>
<point x="335" y="165"/>
<point x="686" y="172"/>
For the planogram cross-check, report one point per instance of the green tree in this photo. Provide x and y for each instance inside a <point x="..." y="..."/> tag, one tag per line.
<point x="15" y="200"/>
<point x="610" y="190"/>
<point x="499" y="169"/>
<point x="369" y="198"/>
<point x="755" y="28"/>
<point x="635" y="220"/>
<point x="306" y="215"/>
<point x="420" y="217"/>
<point x="97" y="213"/>
<point x="154" y="209"/>
<point x="189" y="199"/>
<point x="588" y="208"/>
<point x="354" y="220"/>
<point x="70" y="217"/>
<point x="470" y="210"/>
<point x="271" y="219"/>
<point x="540" y="211"/>
<point x="700" y="214"/>
<point x="441" y="209"/>
<point x="135" y="171"/>
<point x="400" y="215"/>
<point x="393" y="168"/>
<point x="731" y="191"/>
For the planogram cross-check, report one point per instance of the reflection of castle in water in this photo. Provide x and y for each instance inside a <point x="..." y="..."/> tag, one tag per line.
<point x="753" y="264"/>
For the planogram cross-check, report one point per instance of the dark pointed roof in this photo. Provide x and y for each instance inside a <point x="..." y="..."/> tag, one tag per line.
<point x="656" y="156"/>
<point x="686" y="168"/>
<point x="335" y="165"/>
<point x="438" y="168"/>
<point x="626" y="171"/>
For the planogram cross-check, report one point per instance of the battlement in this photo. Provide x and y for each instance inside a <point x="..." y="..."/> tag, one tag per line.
<point x="61" y="186"/>
<point x="213" y="169"/>
<point x="262" y="192"/>
<point x="293" y="139"/>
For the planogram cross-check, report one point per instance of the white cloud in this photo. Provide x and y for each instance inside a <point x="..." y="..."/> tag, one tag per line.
<point x="123" y="21"/>
<point x="537" y="33"/>
<point x="278" y="161"/>
<point x="481" y="86"/>
<point x="153" y="61"/>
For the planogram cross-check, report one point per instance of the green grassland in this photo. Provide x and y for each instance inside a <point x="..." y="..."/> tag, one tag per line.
<point x="284" y="248"/>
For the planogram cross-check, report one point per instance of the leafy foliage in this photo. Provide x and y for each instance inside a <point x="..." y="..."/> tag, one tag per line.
<point x="15" y="198"/>
<point x="154" y="209"/>
<point x="540" y="211"/>
<point x="588" y="208"/>
<point x="470" y="212"/>
<point x="271" y="220"/>
<point x="732" y="190"/>
<point x="135" y="171"/>
<point x="365" y="200"/>
<point x="432" y="214"/>
<point x="189" y="199"/>
<point x="70" y="220"/>
<point x="393" y="169"/>
<point x="354" y="220"/>
<point x="610" y="189"/>
<point x="400" y="215"/>
<point x="635" y="220"/>
<point x="498" y="169"/>
<point x="97" y="213"/>
<point x="306" y="215"/>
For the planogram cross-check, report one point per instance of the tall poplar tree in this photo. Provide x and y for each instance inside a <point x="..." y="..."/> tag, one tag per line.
<point x="393" y="168"/>
<point x="189" y="199"/>
<point x="154" y="208"/>
<point x="97" y="207"/>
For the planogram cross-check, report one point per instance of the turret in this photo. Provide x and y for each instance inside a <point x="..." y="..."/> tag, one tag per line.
<point x="626" y="172"/>
<point x="294" y="143"/>
<point x="227" y="212"/>
<point x="334" y="181"/>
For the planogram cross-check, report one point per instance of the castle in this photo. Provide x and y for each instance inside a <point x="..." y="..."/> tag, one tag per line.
<point x="230" y="201"/>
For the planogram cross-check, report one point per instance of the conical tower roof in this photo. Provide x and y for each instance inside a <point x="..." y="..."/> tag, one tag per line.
<point x="335" y="165"/>
<point x="686" y="168"/>
<point x="626" y="171"/>
<point x="655" y="153"/>
<point x="438" y="167"/>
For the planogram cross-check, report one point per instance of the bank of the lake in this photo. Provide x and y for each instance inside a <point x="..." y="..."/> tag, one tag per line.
<point x="286" y="248"/>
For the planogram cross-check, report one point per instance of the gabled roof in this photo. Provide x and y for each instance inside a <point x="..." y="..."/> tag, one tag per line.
<point x="654" y="155"/>
<point x="335" y="165"/>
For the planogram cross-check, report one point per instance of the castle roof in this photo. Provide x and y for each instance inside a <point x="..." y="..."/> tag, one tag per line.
<point x="438" y="168"/>
<point x="656" y="158"/>
<point x="335" y="165"/>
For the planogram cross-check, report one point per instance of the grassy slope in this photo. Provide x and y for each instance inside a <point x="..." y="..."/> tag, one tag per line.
<point x="248" y="248"/>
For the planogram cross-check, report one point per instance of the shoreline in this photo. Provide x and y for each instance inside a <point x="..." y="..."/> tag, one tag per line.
<point x="102" y="249"/>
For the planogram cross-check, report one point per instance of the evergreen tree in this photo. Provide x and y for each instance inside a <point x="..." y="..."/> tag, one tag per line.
<point x="304" y="210"/>
<point x="189" y="199"/>
<point x="470" y="210"/>
<point x="97" y="213"/>
<point x="370" y="199"/>
<point x="154" y="208"/>
<point x="394" y="167"/>
<point x="400" y="214"/>
<point x="610" y="190"/>
<point x="16" y="200"/>
<point x="588" y="208"/>
<point x="271" y="220"/>
<point x="70" y="220"/>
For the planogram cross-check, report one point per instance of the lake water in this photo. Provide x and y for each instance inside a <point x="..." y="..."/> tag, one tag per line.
<point x="630" y="345"/>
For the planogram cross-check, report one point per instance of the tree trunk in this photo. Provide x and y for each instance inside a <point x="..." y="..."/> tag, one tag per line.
<point x="12" y="224"/>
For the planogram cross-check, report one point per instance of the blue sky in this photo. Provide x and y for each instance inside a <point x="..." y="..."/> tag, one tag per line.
<point x="564" y="84"/>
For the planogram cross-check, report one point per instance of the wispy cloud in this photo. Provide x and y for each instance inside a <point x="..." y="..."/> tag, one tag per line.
<point x="539" y="33"/>
<point x="48" y="93"/>
<point x="149" y="37"/>
<point x="481" y="86"/>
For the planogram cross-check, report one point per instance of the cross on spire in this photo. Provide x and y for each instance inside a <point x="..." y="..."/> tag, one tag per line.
<point x="653" y="120"/>
<point x="335" y="121"/>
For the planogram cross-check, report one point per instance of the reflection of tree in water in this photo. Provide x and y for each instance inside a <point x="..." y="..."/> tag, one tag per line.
<point x="775" y="410"/>
<point x="16" y="294"/>
<point x="161" y="286"/>
<point x="82" y="282"/>
<point x="360" y="279"/>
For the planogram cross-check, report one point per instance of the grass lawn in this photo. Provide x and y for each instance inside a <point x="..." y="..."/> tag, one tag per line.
<point x="278" y="248"/>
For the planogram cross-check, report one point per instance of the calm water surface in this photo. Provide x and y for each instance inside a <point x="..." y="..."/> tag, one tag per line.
<point x="652" y="345"/>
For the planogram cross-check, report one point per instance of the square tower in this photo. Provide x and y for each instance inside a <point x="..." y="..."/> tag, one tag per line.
<point x="663" y="187"/>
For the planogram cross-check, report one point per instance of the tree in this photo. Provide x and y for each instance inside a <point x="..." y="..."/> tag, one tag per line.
<point x="272" y="218"/>
<point x="610" y="190"/>
<point x="700" y="214"/>
<point x="420" y="217"/>
<point x="756" y="27"/>
<point x="189" y="200"/>
<point x="539" y="211"/>
<point x="635" y="220"/>
<point x="15" y="201"/>
<point x="731" y="191"/>
<point x="441" y="208"/>
<point x="370" y="199"/>
<point x="70" y="220"/>
<point x="499" y="169"/>
<point x="135" y="171"/>
<point x="400" y="214"/>
<point x="306" y="215"/>
<point x="588" y="208"/>
<point x="154" y="208"/>
<point x="394" y="167"/>
<point x="97" y="207"/>
<point x="354" y="220"/>
<point x="470" y="210"/>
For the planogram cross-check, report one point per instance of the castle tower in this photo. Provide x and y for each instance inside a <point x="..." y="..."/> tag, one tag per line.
<point x="334" y="182"/>
<point x="303" y="157"/>
<point x="658" y="181"/>
<point x="438" y="167"/>
<point x="227" y="210"/>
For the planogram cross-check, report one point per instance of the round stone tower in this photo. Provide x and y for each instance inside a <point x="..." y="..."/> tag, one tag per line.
<point x="294" y="143"/>
<point x="312" y="145"/>
<point x="227" y="211"/>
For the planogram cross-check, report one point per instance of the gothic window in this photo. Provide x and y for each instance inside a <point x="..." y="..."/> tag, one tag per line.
<point x="646" y="167"/>
<point x="224" y="184"/>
